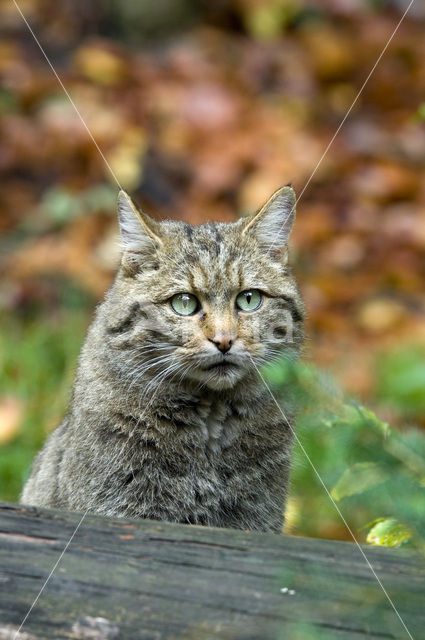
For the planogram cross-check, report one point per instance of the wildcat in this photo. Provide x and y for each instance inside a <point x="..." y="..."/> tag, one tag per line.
<point x="169" y="417"/>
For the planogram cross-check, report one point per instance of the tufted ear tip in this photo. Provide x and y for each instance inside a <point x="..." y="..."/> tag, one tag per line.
<point x="122" y="195"/>
<point x="125" y="204"/>
<point x="139" y="232"/>
<point x="286" y="195"/>
<point x="272" y="225"/>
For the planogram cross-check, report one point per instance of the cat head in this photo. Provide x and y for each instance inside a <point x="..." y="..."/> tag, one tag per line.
<point x="206" y="303"/>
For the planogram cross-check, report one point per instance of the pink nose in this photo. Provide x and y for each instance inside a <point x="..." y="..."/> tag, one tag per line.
<point x="223" y="341"/>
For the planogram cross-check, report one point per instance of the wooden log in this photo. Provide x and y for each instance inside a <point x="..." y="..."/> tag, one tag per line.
<point x="125" y="579"/>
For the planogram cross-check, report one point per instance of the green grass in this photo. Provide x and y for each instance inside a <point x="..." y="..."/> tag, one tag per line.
<point x="38" y="360"/>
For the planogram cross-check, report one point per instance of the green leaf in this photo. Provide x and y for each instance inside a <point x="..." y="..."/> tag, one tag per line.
<point x="389" y="532"/>
<point x="277" y="373"/>
<point x="373" y="421"/>
<point x="346" y="415"/>
<point x="357" y="416"/>
<point x="360" y="477"/>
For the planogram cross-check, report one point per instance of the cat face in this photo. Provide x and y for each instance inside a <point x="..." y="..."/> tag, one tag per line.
<point x="207" y="303"/>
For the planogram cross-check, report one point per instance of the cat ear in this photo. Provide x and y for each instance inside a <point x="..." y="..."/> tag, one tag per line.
<point x="140" y="235"/>
<point x="272" y="225"/>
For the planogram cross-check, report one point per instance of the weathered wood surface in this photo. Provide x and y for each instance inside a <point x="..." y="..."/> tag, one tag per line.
<point x="126" y="579"/>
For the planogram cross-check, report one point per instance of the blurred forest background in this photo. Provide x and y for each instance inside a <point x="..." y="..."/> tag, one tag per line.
<point x="202" y="110"/>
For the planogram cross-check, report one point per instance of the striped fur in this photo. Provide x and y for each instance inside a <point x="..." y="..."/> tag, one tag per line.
<point x="154" y="429"/>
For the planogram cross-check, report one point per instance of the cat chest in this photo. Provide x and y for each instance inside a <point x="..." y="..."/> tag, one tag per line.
<point x="219" y="424"/>
<point x="206" y="450"/>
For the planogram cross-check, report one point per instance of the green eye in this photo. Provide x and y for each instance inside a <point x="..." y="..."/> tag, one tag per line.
<point x="185" y="304"/>
<point x="249" y="300"/>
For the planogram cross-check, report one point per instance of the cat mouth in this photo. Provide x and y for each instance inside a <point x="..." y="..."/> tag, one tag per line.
<point x="223" y="366"/>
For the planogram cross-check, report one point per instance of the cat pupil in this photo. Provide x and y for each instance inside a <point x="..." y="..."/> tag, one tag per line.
<point x="248" y="297"/>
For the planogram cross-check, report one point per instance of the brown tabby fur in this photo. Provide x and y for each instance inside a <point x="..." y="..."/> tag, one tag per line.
<point x="151" y="432"/>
